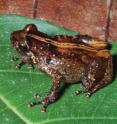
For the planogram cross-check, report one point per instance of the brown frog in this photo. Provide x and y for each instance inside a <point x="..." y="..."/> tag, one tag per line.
<point x="68" y="59"/>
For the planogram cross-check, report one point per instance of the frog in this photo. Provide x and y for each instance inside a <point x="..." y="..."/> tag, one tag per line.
<point x="67" y="59"/>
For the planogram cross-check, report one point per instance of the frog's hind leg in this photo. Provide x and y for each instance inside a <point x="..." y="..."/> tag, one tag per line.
<point x="53" y="94"/>
<point x="99" y="73"/>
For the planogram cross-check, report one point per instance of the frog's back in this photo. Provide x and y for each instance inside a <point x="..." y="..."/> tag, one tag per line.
<point x="66" y="54"/>
<point x="82" y="40"/>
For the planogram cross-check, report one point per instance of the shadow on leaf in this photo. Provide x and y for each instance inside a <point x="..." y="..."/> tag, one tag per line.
<point x="114" y="67"/>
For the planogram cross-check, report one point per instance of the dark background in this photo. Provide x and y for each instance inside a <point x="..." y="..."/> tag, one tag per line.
<point x="97" y="18"/>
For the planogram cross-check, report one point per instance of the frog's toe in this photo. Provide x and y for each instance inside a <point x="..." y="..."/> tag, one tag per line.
<point x="31" y="104"/>
<point x="43" y="109"/>
<point x="37" y="95"/>
<point x="78" y="92"/>
<point x="14" y="58"/>
<point x="88" y="94"/>
<point x="44" y="104"/>
<point x="31" y="66"/>
<point x="19" y="65"/>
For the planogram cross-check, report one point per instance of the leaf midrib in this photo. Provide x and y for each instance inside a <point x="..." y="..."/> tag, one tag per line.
<point x="23" y="72"/>
<point x="53" y="120"/>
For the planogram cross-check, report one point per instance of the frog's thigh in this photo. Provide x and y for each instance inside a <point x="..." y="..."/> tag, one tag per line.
<point x="99" y="72"/>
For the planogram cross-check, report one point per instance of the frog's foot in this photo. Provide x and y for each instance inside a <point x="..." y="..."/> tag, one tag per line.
<point x="19" y="65"/>
<point x="88" y="94"/>
<point x="31" y="66"/>
<point x="22" y="62"/>
<point x="44" y="102"/>
<point x="37" y="96"/>
<point x="31" y="104"/>
<point x="14" y="58"/>
<point x="78" y="92"/>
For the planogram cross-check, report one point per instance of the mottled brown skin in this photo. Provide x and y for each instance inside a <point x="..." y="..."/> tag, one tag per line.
<point x="67" y="59"/>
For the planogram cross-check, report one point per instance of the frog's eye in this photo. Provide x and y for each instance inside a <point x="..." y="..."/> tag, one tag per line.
<point x="30" y="27"/>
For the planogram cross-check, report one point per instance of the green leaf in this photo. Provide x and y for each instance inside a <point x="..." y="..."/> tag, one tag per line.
<point x="18" y="86"/>
<point x="7" y="116"/>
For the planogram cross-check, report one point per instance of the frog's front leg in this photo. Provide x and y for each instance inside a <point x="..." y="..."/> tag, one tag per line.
<point x="54" y="92"/>
<point x="23" y="61"/>
<point x="14" y="58"/>
<point x="99" y="72"/>
<point x="20" y="64"/>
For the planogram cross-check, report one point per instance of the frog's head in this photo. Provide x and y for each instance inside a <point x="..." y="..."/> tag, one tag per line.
<point x="19" y="40"/>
